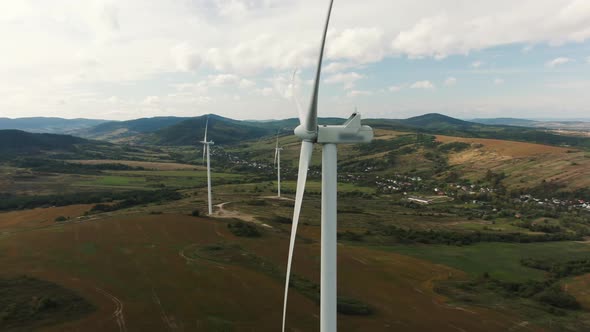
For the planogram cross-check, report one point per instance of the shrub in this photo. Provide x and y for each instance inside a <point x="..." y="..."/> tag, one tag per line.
<point x="281" y="220"/>
<point x="349" y="306"/>
<point x="61" y="219"/>
<point x="556" y="297"/>
<point x="196" y="213"/>
<point x="256" y="202"/>
<point x="349" y="236"/>
<point x="240" y="228"/>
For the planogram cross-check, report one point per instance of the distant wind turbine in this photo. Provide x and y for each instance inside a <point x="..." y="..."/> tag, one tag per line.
<point x="278" y="166"/>
<point x="328" y="136"/>
<point x="206" y="153"/>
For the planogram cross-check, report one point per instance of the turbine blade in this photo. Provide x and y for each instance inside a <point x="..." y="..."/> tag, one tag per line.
<point x="311" y="118"/>
<point x="276" y="153"/>
<point x="304" y="160"/>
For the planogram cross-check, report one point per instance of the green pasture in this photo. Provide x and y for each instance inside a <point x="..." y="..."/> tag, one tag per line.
<point x="500" y="260"/>
<point x="316" y="186"/>
<point x="154" y="179"/>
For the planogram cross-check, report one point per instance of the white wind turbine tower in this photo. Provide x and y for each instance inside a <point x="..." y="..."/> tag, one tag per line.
<point x="328" y="136"/>
<point x="206" y="145"/>
<point x="278" y="166"/>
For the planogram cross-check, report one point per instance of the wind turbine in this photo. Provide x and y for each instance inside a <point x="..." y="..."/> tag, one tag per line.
<point x="206" y="145"/>
<point x="278" y="166"/>
<point x="328" y="136"/>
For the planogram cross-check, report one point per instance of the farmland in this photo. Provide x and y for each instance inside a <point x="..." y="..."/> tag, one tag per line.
<point x="134" y="258"/>
<point x="524" y="162"/>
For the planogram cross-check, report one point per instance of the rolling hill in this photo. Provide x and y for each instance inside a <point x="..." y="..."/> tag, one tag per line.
<point x="221" y="130"/>
<point x="443" y="125"/>
<point x="178" y="131"/>
<point x="117" y="130"/>
<point x="21" y="142"/>
<point x="553" y="124"/>
<point x="48" y="124"/>
<point x="437" y="121"/>
<point x="18" y="143"/>
<point x="507" y="122"/>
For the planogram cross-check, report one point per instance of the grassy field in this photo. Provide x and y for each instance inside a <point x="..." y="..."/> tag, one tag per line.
<point x="500" y="260"/>
<point x="154" y="179"/>
<point x="134" y="269"/>
<point x="525" y="164"/>
<point x="159" y="166"/>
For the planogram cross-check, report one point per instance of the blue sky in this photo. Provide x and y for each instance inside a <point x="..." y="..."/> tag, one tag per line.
<point x="395" y="59"/>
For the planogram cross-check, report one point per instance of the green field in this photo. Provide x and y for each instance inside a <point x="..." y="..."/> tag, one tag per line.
<point x="500" y="260"/>
<point x="151" y="179"/>
<point x="316" y="186"/>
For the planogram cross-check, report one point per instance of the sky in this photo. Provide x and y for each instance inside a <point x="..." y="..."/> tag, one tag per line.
<point x="255" y="59"/>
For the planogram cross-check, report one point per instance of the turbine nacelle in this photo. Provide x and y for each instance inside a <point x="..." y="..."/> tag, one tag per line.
<point x="348" y="133"/>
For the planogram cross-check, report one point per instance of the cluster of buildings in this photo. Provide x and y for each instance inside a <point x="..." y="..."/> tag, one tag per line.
<point x="576" y="203"/>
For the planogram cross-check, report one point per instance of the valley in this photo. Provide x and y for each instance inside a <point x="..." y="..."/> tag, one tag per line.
<point x="437" y="224"/>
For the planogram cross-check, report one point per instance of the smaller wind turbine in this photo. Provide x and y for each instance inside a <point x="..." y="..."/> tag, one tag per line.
<point x="278" y="166"/>
<point x="206" y="145"/>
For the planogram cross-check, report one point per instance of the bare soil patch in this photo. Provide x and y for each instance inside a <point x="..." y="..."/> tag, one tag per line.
<point x="40" y="217"/>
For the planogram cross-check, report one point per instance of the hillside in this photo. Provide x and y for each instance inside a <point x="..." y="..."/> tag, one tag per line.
<point x="221" y="130"/>
<point x="554" y="124"/>
<point x="442" y="159"/>
<point x="437" y="122"/>
<point x="524" y="164"/>
<point x="116" y="130"/>
<point x="178" y="131"/>
<point x="48" y="125"/>
<point x="507" y="122"/>
<point x="18" y="143"/>
<point x="21" y="142"/>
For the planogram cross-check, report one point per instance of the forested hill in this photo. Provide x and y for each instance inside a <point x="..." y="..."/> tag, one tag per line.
<point x="12" y="141"/>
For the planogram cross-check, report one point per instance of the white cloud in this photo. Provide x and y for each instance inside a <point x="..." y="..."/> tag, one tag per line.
<point x="186" y="57"/>
<point x="223" y="79"/>
<point x="361" y="45"/>
<point x="335" y="67"/>
<point x="476" y="64"/>
<point x="422" y="85"/>
<point x="246" y="84"/>
<point x="266" y="92"/>
<point x="527" y="48"/>
<point x="498" y="81"/>
<point x="395" y="88"/>
<point x="348" y="79"/>
<point x="558" y="62"/>
<point x="450" y="81"/>
<point x="151" y="100"/>
<point x="479" y="25"/>
<point x="85" y="52"/>
<point x="359" y="93"/>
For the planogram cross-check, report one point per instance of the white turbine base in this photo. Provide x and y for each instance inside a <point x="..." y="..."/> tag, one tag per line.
<point x="209" y="201"/>
<point x="328" y="278"/>
<point x="279" y="173"/>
